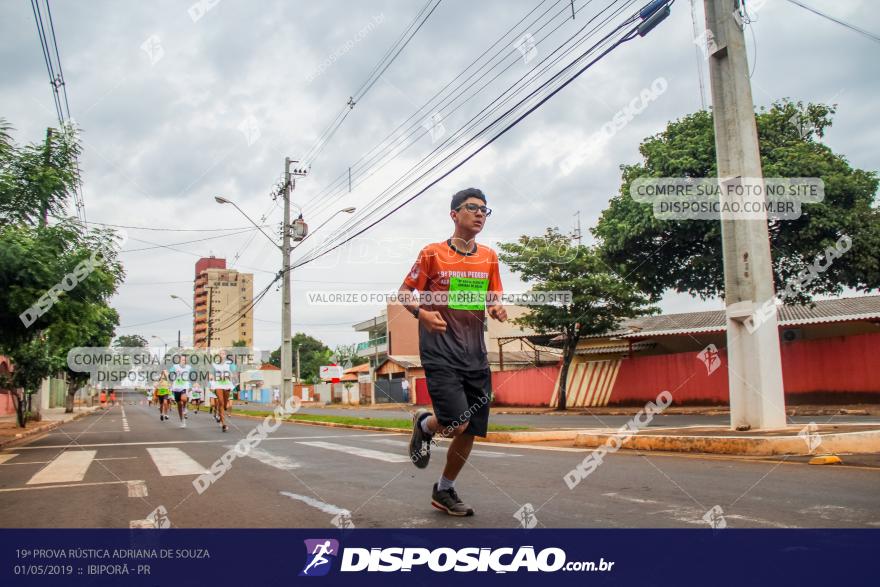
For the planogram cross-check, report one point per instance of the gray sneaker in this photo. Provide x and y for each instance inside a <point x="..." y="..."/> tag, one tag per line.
<point x="448" y="501"/>
<point x="419" y="442"/>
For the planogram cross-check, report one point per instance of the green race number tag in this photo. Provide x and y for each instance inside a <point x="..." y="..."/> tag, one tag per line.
<point x="467" y="293"/>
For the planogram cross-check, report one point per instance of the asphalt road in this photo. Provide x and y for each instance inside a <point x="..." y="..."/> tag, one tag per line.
<point x="113" y="468"/>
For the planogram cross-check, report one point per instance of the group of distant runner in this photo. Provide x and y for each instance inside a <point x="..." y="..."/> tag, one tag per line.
<point x="180" y="384"/>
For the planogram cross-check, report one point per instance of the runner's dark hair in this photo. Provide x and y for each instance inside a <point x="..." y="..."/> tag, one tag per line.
<point x="463" y="195"/>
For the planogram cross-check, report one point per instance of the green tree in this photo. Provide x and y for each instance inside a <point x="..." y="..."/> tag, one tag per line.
<point x="56" y="279"/>
<point x="312" y="354"/>
<point x="37" y="180"/>
<point x="600" y="297"/>
<point x="131" y="340"/>
<point x="346" y="355"/>
<point x="686" y="255"/>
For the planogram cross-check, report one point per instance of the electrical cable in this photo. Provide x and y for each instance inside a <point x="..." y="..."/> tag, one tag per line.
<point x="309" y="257"/>
<point x="378" y="151"/>
<point x="323" y="139"/>
<point x="842" y="23"/>
<point x="472" y="123"/>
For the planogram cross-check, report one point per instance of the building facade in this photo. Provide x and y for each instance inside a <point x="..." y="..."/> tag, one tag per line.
<point x="222" y="299"/>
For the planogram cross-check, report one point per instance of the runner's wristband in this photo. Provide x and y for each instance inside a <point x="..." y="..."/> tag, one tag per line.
<point x="415" y="312"/>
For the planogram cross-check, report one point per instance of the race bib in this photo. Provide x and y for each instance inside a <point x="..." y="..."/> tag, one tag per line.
<point x="468" y="293"/>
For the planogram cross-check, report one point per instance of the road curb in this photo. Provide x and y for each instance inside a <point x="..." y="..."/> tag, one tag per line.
<point x="834" y="443"/>
<point x="525" y="436"/>
<point x="28" y="432"/>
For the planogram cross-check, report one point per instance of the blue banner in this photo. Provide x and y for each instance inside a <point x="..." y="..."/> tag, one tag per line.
<point x="702" y="557"/>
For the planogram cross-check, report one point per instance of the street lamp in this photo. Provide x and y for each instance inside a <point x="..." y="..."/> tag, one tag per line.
<point x="176" y="297"/>
<point x="188" y="305"/>
<point x="222" y="200"/>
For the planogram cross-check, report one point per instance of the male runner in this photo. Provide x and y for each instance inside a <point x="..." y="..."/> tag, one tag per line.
<point x="181" y="374"/>
<point x="457" y="280"/>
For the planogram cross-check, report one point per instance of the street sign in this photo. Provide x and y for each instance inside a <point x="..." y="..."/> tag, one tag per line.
<point x="330" y="372"/>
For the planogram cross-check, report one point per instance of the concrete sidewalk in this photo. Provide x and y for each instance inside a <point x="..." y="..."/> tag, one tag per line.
<point x="813" y="439"/>
<point x="10" y="433"/>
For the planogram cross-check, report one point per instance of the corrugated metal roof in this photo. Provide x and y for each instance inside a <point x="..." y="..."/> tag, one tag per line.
<point x="406" y="361"/>
<point x="615" y="348"/>
<point x="821" y="311"/>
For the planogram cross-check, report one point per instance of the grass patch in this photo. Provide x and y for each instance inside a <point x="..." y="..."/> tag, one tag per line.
<point x="404" y="423"/>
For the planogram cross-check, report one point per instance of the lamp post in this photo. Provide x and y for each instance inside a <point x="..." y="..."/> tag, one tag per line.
<point x="285" y="248"/>
<point x="188" y="305"/>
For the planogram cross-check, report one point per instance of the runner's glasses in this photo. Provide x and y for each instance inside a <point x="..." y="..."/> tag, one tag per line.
<point x="474" y="207"/>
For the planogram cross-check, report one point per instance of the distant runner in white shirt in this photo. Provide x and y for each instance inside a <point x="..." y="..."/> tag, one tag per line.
<point x="196" y="396"/>
<point x="180" y="383"/>
<point x="222" y="383"/>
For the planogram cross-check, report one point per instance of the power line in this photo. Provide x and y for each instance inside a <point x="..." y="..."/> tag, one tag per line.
<point x="56" y="80"/>
<point x="381" y="67"/>
<point x="626" y="37"/>
<point x="337" y="187"/>
<point x="155" y="321"/>
<point x="155" y="228"/>
<point x="842" y="23"/>
<point x="482" y="115"/>
<point x="198" y="240"/>
<point x="172" y="248"/>
<point x="58" y="59"/>
<point x="495" y="105"/>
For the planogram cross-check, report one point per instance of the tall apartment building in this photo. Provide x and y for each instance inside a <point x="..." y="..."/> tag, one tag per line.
<point x="220" y="298"/>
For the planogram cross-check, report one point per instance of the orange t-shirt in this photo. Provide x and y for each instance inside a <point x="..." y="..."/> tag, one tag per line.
<point x="466" y="282"/>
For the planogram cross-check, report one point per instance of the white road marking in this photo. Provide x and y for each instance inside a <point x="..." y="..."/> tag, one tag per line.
<point x="360" y="452"/>
<point x="173" y="461"/>
<point x="137" y="489"/>
<point x="67" y="467"/>
<point x="273" y="460"/>
<point x="474" y="452"/>
<point x="317" y="504"/>
<point x="61" y="486"/>
<point x="7" y="457"/>
<point x="125" y="427"/>
<point x="632" y="499"/>
<point x="217" y="441"/>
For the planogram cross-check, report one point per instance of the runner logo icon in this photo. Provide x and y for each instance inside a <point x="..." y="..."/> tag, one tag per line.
<point x="320" y="553"/>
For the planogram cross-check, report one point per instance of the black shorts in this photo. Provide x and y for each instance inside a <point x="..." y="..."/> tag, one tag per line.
<point x="177" y="395"/>
<point x="460" y="395"/>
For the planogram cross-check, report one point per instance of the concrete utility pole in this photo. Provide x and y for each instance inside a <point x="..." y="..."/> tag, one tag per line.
<point x="754" y="364"/>
<point x="286" y="363"/>
<point x="301" y="232"/>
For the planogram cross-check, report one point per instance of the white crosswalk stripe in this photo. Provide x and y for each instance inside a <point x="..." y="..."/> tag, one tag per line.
<point x="173" y="461"/>
<point x="67" y="467"/>
<point x="360" y="452"/>
<point x="441" y="447"/>
<point x="268" y="458"/>
<point x="7" y="456"/>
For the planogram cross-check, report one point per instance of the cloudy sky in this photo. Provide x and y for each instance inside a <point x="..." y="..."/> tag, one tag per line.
<point x="179" y="102"/>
